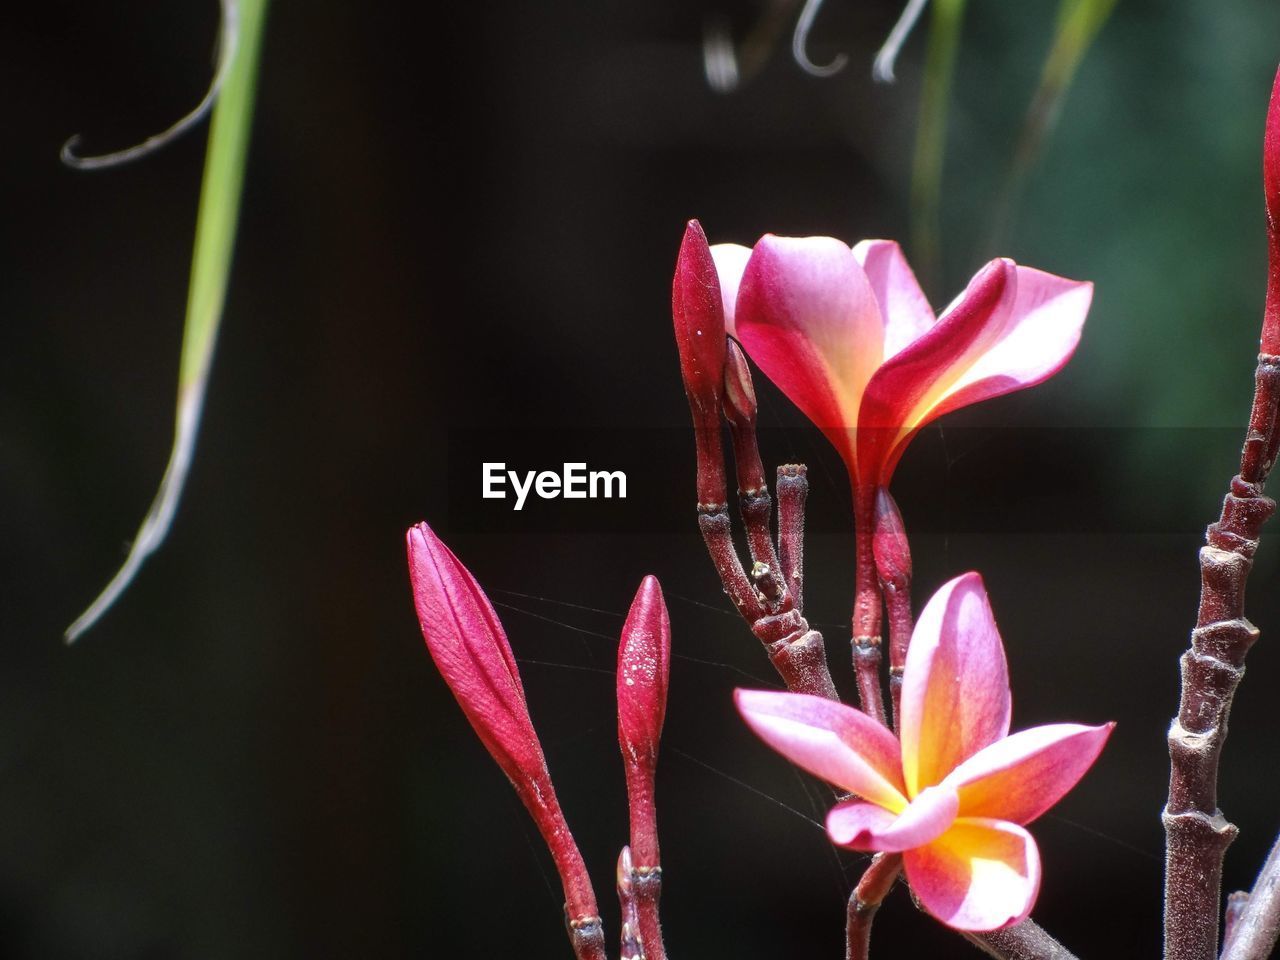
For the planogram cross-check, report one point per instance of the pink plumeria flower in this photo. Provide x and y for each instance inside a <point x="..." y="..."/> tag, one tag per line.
<point x="848" y="335"/>
<point x="953" y="795"/>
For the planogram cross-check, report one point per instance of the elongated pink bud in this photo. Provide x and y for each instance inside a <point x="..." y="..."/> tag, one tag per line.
<point x="698" y="312"/>
<point x="889" y="542"/>
<point x="740" y="411"/>
<point x="892" y="555"/>
<point x="470" y="649"/>
<point x="739" y="391"/>
<point x="1271" y="188"/>
<point x="643" y="670"/>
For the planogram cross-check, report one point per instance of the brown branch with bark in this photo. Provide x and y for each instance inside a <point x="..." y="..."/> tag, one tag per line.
<point x="1196" y="832"/>
<point x="1253" y="919"/>
<point x="1024" y="941"/>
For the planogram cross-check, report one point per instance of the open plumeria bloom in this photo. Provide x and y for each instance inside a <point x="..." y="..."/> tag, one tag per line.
<point x="953" y="795"/>
<point x="850" y="338"/>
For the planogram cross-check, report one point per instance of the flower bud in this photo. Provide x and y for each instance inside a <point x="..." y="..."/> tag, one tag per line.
<point x="470" y="648"/>
<point x="622" y="873"/>
<point x="644" y="658"/>
<point x="698" y="312"/>
<point x="1271" y="189"/>
<point x="889" y="542"/>
<point x="643" y="670"/>
<point x="739" y="391"/>
<point x="740" y="411"/>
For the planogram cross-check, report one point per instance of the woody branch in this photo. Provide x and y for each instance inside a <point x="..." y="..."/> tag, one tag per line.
<point x="1196" y="832"/>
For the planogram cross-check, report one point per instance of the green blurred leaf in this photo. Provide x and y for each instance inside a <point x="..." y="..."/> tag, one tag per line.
<point x="931" y="136"/>
<point x="1078" y="25"/>
<point x="210" y="268"/>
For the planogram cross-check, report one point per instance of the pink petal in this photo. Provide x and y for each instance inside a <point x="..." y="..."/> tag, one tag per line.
<point x="809" y="319"/>
<point x="979" y="875"/>
<point x="955" y="684"/>
<point x="731" y="260"/>
<point x="831" y="740"/>
<point x="1039" y="335"/>
<point x="1020" y="777"/>
<point x="865" y="826"/>
<point x="903" y="305"/>
<point x="900" y="394"/>
<point x="470" y="649"/>
<point x="1012" y="328"/>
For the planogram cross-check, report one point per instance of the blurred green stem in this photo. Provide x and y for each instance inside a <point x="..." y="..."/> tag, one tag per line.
<point x="1079" y="22"/>
<point x="931" y="136"/>
<point x="210" y="268"/>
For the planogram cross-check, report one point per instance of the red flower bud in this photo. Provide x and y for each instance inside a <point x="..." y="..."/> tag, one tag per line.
<point x="644" y="658"/>
<point x="470" y="649"/>
<point x="1271" y="189"/>
<point x="889" y="542"/>
<point x="739" y="391"/>
<point x="740" y="410"/>
<point x="698" y="311"/>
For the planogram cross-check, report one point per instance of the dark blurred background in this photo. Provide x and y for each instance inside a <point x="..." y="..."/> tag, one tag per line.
<point x="457" y="239"/>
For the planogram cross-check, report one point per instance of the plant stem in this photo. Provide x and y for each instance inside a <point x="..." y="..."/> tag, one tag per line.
<point x="647" y="882"/>
<point x="632" y="942"/>
<point x="1196" y="832"/>
<point x="1079" y="22"/>
<point x="1236" y="903"/>
<point x="753" y="490"/>
<point x="796" y="652"/>
<point x="876" y="882"/>
<point x="644" y="878"/>
<point x="638" y="892"/>
<point x="866" y="606"/>
<point x="582" y="915"/>
<point x="1256" y="927"/>
<point x="1023" y="941"/>
<point x="793" y="491"/>
<point x="717" y="534"/>
<point x="586" y="934"/>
